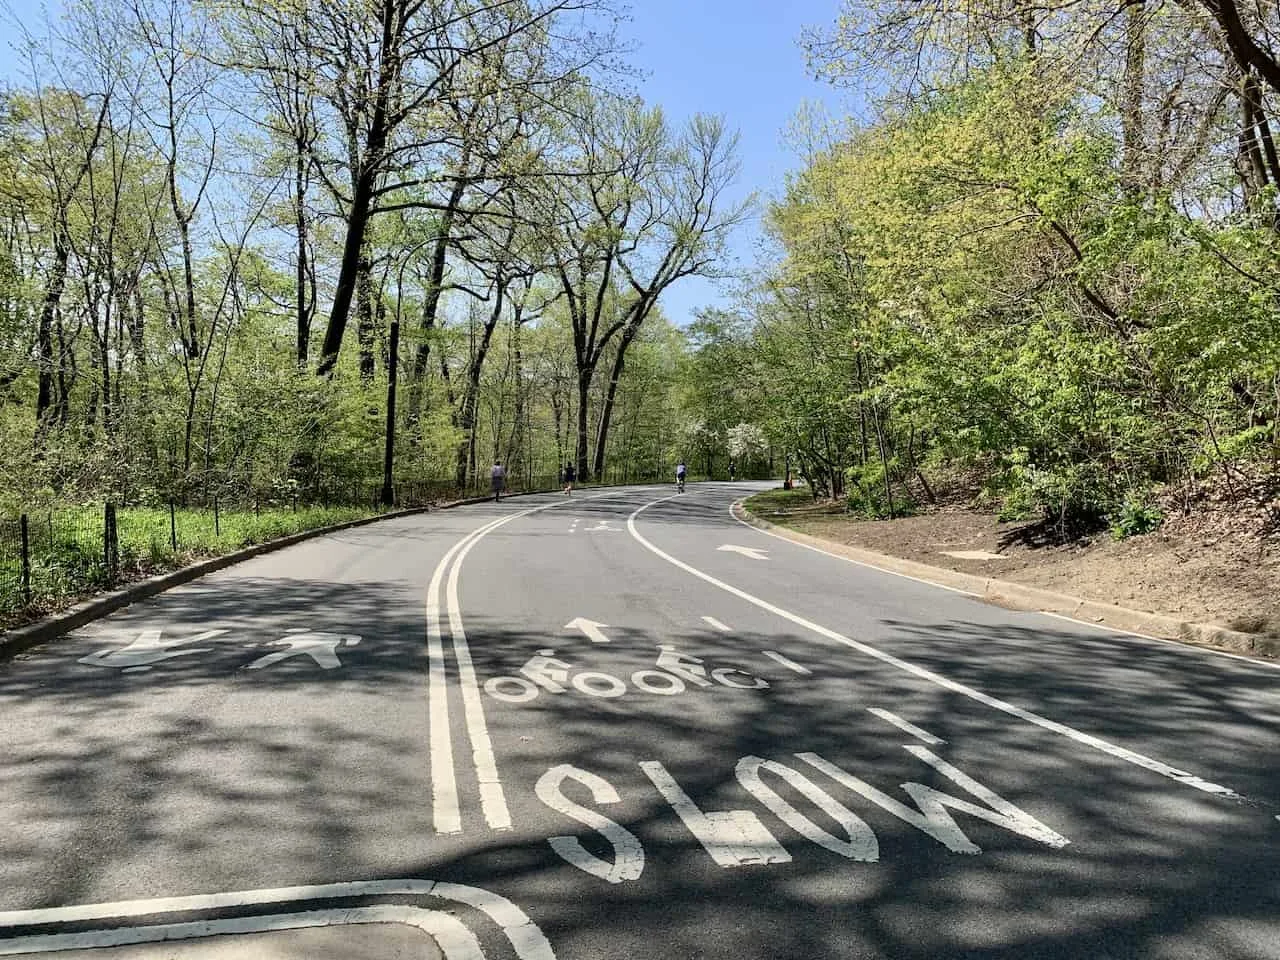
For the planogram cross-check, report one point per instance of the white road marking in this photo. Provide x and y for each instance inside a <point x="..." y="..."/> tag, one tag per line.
<point x="910" y="728"/>
<point x="149" y="648"/>
<point x="528" y="941"/>
<point x="589" y="627"/>
<point x="453" y="938"/>
<point x="446" y="815"/>
<point x="492" y="801"/>
<point x="628" y="853"/>
<point x="445" y="809"/>
<point x="717" y="624"/>
<point x="320" y="647"/>
<point x="931" y="815"/>
<point x="1097" y="743"/>
<point x="734" y="838"/>
<point x="858" y="843"/>
<point x="789" y="664"/>
<point x="752" y="552"/>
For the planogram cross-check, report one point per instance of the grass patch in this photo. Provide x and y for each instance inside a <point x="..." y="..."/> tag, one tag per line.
<point x="67" y="561"/>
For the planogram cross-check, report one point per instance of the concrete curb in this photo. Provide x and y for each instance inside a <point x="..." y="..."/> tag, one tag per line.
<point x="1017" y="596"/>
<point x="13" y="642"/>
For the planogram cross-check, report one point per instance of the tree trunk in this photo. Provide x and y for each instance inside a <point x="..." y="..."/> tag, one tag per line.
<point x="305" y="304"/>
<point x="606" y="413"/>
<point x="584" y="396"/>
<point x="364" y="317"/>
<point x="1131" y="121"/>
<point x="44" y="336"/>
<point x="471" y="398"/>
<point x="340" y="311"/>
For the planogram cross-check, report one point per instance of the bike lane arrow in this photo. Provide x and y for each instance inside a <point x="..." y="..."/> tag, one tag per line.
<point x="588" y="627"/>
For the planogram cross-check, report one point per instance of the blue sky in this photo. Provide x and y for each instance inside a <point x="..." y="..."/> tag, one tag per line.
<point x="737" y="58"/>
<point x="741" y="59"/>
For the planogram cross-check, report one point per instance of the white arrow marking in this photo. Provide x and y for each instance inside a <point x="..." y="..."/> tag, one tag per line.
<point x="752" y="552"/>
<point x="717" y="624"/>
<point x="589" y="627"/>
<point x="149" y="648"/>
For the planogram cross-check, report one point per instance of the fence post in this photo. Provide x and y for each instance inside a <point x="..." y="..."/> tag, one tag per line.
<point x="26" y="560"/>
<point x="173" y="527"/>
<point x="110" y="543"/>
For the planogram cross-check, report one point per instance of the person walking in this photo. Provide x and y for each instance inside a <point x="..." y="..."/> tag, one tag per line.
<point x="732" y="471"/>
<point x="570" y="474"/>
<point x="498" y="479"/>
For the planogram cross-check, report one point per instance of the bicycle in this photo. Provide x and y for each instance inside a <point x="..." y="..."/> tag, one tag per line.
<point x="680" y="484"/>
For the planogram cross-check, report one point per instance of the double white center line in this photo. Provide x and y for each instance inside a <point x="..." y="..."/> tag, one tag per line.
<point x="442" y="595"/>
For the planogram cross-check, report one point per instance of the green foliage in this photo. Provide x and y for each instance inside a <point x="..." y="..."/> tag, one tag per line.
<point x="969" y="284"/>
<point x="1136" y="516"/>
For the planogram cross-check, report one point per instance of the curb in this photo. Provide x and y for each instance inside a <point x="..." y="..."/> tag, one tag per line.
<point x="14" y="642"/>
<point x="1018" y="596"/>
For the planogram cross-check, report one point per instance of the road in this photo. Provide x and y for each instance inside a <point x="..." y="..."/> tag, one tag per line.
<point x="623" y="725"/>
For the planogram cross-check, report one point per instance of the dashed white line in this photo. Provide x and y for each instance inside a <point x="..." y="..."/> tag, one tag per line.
<point x="910" y="728"/>
<point x="1079" y="736"/>
<point x="718" y="625"/>
<point x="789" y="664"/>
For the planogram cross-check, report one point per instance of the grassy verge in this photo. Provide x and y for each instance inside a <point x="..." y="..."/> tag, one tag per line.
<point x="67" y="562"/>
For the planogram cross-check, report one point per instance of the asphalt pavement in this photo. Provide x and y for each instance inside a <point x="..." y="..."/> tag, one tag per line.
<point x="622" y="724"/>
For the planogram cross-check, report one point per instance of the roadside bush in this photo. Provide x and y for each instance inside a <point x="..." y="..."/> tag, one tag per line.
<point x="1136" y="516"/>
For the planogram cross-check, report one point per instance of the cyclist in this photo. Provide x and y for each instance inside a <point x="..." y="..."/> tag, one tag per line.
<point x="570" y="475"/>
<point x="681" y="470"/>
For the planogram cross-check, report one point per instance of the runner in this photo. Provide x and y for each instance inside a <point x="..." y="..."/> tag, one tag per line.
<point x="498" y="478"/>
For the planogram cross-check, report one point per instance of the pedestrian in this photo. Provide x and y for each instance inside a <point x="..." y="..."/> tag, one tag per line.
<point x="732" y="471"/>
<point x="498" y="478"/>
<point x="570" y="475"/>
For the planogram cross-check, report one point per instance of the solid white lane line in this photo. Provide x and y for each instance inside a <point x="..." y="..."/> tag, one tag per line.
<point x="523" y="934"/>
<point x="445" y="813"/>
<point x="910" y="728"/>
<point x="717" y="624"/>
<point x="1088" y="739"/>
<point x="492" y="800"/>
<point x="789" y="664"/>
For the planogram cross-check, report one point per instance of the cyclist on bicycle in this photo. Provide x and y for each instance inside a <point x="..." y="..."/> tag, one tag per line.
<point x="681" y="470"/>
